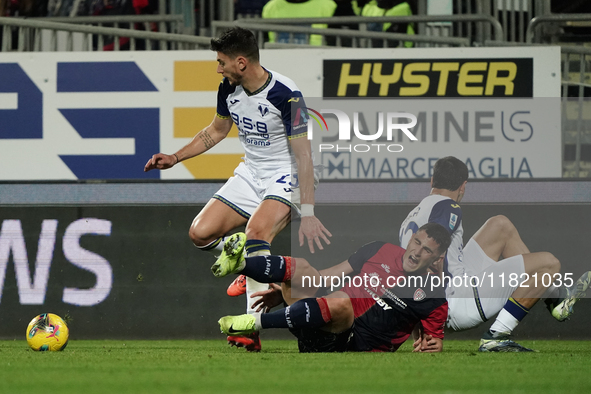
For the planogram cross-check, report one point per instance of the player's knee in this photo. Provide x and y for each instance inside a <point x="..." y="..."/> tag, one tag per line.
<point x="502" y="226"/>
<point x="196" y="238"/>
<point x="501" y="223"/>
<point x="201" y="233"/>
<point x="551" y="263"/>
<point x="302" y="267"/>
<point x="304" y="277"/>
<point x="341" y="310"/>
<point x="542" y="263"/>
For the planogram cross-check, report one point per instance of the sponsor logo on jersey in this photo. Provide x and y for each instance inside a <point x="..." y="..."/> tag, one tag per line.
<point x="378" y="300"/>
<point x="455" y="205"/>
<point x="386" y="268"/>
<point x="419" y="295"/>
<point x="391" y="296"/>
<point x="232" y="102"/>
<point x="294" y="99"/>
<point x="453" y="220"/>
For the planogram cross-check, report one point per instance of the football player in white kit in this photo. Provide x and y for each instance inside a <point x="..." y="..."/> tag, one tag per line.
<point x="265" y="187"/>
<point x="491" y="256"/>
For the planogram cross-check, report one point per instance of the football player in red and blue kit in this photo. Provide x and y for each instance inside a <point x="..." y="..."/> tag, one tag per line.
<point x="388" y="293"/>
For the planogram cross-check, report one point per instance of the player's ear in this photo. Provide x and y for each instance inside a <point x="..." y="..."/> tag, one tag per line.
<point x="461" y="191"/>
<point x="437" y="265"/>
<point x="242" y="63"/>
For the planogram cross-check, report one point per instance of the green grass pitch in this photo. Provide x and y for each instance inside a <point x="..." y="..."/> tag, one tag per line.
<point x="183" y="366"/>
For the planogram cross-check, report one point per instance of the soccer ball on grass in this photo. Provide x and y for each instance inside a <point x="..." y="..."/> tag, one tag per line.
<point x="47" y="332"/>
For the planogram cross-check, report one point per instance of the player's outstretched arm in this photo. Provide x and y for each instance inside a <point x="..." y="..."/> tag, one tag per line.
<point x="311" y="228"/>
<point x="339" y="270"/>
<point x="203" y="141"/>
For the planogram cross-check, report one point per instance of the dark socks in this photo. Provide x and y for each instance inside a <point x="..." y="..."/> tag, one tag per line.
<point x="305" y="313"/>
<point x="268" y="269"/>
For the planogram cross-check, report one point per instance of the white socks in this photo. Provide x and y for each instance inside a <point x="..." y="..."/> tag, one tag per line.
<point x="252" y="286"/>
<point x="505" y="323"/>
<point x="215" y="247"/>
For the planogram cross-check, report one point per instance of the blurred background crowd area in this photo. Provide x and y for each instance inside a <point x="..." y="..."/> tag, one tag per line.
<point x="199" y="14"/>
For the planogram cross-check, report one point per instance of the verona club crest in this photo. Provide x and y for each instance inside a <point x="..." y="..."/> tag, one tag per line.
<point x="263" y="109"/>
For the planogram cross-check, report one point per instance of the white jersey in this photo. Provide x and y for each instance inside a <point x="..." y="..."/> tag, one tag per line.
<point x="445" y="211"/>
<point x="264" y="120"/>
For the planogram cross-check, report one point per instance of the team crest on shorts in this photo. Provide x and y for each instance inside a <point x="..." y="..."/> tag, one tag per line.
<point x="419" y="295"/>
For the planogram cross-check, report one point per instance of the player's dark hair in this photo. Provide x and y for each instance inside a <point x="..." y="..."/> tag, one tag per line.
<point x="438" y="233"/>
<point x="237" y="42"/>
<point x="449" y="173"/>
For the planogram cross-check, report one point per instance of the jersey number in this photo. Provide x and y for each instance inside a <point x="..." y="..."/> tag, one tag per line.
<point x="282" y="180"/>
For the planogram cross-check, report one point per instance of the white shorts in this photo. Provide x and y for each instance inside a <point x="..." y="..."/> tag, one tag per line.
<point x="470" y="305"/>
<point x="244" y="192"/>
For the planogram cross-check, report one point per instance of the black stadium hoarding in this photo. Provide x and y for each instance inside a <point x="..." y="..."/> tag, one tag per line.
<point x="450" y="78"/>
<point x="118" y="272"/>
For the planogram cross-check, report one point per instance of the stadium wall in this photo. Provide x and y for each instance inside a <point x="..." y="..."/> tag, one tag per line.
<point x="117" y="259"/>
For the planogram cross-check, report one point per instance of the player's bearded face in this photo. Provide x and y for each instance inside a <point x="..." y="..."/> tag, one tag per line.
<point x="421" y="252"/>
<point x="228" y="67"/>
<point x="235" y="79"/>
